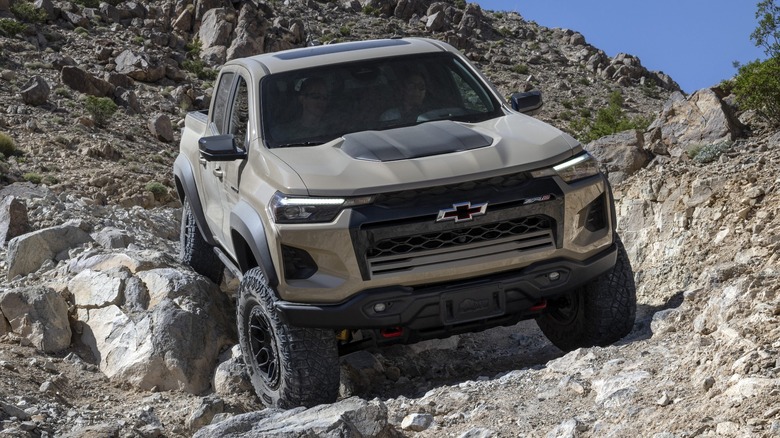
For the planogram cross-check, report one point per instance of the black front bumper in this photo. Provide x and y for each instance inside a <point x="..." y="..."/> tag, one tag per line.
<point x="513" y="295"/>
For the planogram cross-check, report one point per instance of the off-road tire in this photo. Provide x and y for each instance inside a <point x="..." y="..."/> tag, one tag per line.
<point x="288" y="366"/>
<point x="194" y="251"/>
<point x="599" y="313"/>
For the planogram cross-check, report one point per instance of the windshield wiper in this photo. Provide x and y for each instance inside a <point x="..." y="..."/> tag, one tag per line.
<point x="300" y="143"/>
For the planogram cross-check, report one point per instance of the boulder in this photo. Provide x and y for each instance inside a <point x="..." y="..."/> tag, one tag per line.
<point x="28" y="252"/>
<point x="39" y="315"/>
<point x="215" y="29"/>
<point x="161" y="128"/>
<point x="158" y="328"/>
<point x="621" y="154"/>
<point x="13" y="219"/>
<point x="36" y="91"/>
<point x="249" y="35"/>
<point x="700" y="120"/>
<point x="352" y="417"/>
<point x="85" y="82"/>
<point x="139" y="67"/>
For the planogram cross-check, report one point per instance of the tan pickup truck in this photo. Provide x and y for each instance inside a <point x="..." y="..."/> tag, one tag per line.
<point x="379" y="192"/>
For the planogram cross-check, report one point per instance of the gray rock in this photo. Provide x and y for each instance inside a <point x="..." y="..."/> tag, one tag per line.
<point x="621" y="154"/>
<point x="209" y="407"/>
<point x="38" y="314"/>
<point x="349" y="418"/>
<point x="85" y="82"/>
<point x="215" y="28"/>
<point x="13" y="219"/>
<point x="139" y="67"/>
<point x="28" y="252"/>
<point x="36" y="91"/>
<point x="417" y="422"/>
<point x="161" y="128"/>
<point x="173" y="345"/>
<point x="111" y="238"/>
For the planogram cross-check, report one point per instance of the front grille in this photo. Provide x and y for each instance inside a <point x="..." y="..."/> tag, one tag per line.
<point x="466" y="245"/>
<point x="484" y="188"/>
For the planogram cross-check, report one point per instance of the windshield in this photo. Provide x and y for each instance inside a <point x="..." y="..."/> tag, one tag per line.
<point x="316" y="105"/>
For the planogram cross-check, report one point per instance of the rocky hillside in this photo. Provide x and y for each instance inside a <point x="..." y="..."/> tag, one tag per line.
<point x="103" y="333"/>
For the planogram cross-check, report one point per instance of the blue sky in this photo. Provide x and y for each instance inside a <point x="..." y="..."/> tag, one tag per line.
<point x="693" y="41"/>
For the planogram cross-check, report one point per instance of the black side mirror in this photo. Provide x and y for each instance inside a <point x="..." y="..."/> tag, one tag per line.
<point x="220" y="148"/>
<point x="528" y="102"/>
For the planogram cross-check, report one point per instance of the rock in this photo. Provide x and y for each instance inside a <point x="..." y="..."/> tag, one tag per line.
<point x="209" y="407"/>
<point x="702" y="119"/>
<point x="249" y="34"/>
<point x="215" y="28"/>
<point x="36" y="91"/>
<point x="352" y="417"/>
<point x="13" y="219"/>
<point x="26" y="253"/>
<point x="621" y="154"/>
<point x="417" y="422"/>
<point x="39" y="315"/>
<point x="113" y="238"/>
<point x="160" y="126"/>
<point x="618" y="389"/>
<point x="173" y="345"/>
<point x="139" y="67"/>
<point x="85" y="82"/>
<point x="230" y="376"/>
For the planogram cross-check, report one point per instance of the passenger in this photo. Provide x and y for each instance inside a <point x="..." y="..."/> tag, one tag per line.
<point x="412" y="98"/>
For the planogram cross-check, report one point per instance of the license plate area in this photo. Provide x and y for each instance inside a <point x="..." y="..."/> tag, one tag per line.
<point x="472" y="304"/>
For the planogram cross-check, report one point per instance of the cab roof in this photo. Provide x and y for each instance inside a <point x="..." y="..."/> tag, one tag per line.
<point x="296" y="59"/>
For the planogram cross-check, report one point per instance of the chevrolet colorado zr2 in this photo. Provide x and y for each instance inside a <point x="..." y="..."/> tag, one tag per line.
<point x="379" y="192"/>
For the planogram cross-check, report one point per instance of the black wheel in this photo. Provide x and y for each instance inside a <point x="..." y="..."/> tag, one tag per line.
<point x="599" y="313"/>
<point x="288" y="366"/>
<point x="194" y="251"/>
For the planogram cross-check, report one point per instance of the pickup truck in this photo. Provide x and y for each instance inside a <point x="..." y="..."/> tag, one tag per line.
<point x="379" y="192"/>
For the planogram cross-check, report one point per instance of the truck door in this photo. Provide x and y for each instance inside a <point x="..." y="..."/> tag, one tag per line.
<point x="212" y="172"/>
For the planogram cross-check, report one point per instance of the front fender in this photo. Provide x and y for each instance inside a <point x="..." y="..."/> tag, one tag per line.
<point x="186" y="188"/>
<point x="248" y="224"/>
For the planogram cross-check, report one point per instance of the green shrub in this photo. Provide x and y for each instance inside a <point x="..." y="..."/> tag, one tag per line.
<point x="757" y="87"/>
<point x="460" y="4"/>
<point x="708" y="153"/>
<point x="101" y="109"/>
<point x="370" y="10"/>
<point x="158" y="189"/>
<point x="7" y="145"/>
<point x="33" y="177"/>
<point x="521" y="69"/>
<point x="26" y="11"/>
<point x="196" y="67"/>
<point x="10" y="27"/>
<point x="612" y="119"/>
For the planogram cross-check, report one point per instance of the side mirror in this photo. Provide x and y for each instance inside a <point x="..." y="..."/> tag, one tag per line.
<point x="220" y="148"/>
<point x="528" y="102"/>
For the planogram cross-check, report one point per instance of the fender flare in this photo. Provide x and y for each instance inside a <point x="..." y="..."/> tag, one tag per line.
<point x="247" y="223"/>
<point x="186" y="188"/>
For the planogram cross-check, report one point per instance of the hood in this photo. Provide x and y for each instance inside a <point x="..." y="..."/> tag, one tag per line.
<point x="433" y="153"/>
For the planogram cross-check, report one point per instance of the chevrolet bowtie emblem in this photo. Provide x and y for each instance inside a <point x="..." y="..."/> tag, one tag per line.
<point x="462" y="212"/>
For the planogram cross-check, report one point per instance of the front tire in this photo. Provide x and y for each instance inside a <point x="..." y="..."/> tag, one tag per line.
<point x="599" y="313"/>
<point x="288" y="366"/>
<point x="194" y="251"/>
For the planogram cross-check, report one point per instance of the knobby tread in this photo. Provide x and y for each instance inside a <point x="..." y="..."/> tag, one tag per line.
<point x="605" y="309"/>
<point x="194" y="251"/>
<point x="308" y="358"/>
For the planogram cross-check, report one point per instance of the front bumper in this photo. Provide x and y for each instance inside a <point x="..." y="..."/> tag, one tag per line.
<point x="513" y="294"/>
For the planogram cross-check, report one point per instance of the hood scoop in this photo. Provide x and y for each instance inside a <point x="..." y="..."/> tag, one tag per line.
<point x="427" y="139"/>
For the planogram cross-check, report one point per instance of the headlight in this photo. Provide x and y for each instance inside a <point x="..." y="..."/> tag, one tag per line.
<point x="296" y="209"/>
<point x="579" y="167"/>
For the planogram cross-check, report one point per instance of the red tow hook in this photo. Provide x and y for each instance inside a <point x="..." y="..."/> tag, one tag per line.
<point x="541" y="305"/>
<point x="392" y="332"/>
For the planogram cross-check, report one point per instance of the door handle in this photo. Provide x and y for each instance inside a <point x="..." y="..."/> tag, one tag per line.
<point x="202" y="161"/>
<point x="219" y="173"/>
